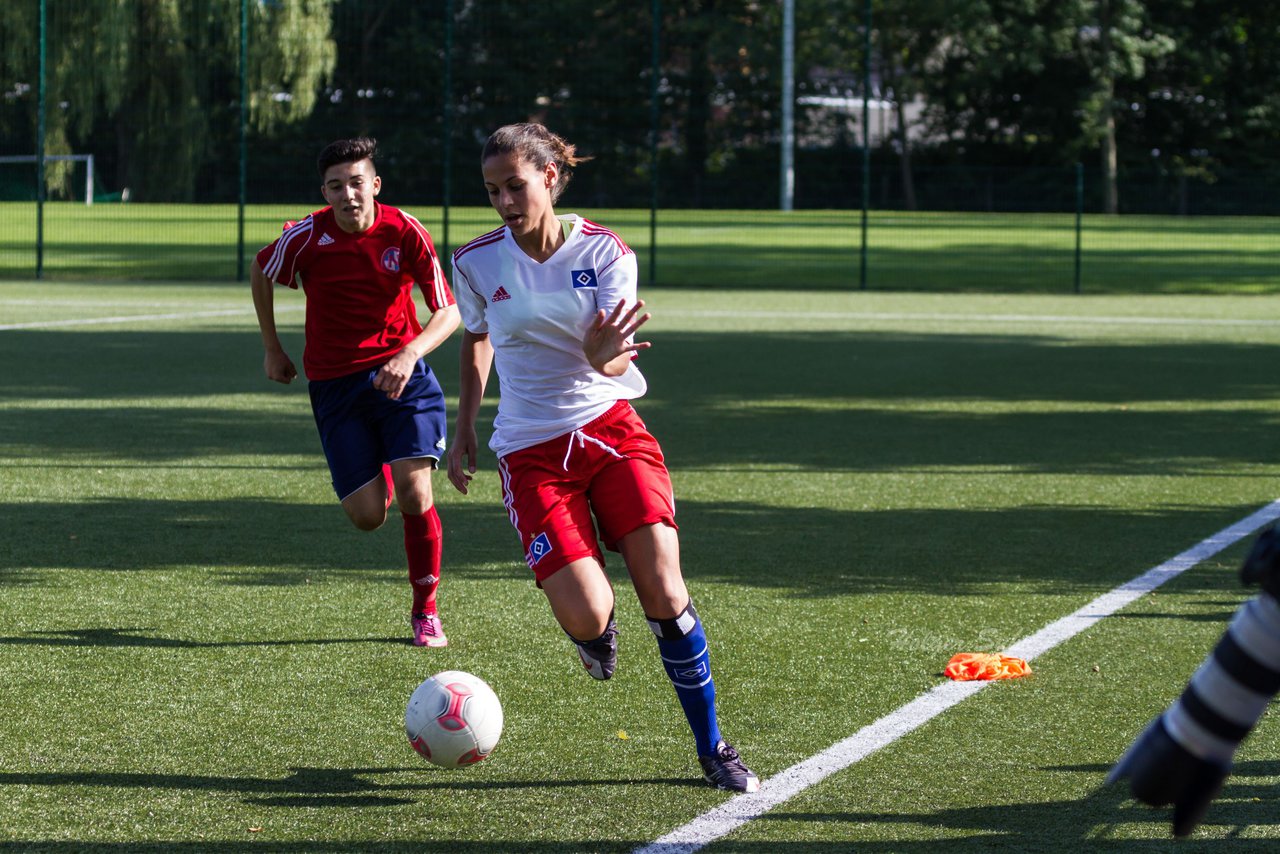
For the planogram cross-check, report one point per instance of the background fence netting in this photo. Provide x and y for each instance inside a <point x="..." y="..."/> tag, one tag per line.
<point x="204" y="135"/>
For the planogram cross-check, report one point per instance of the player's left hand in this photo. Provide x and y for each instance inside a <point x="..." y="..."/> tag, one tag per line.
<point x="1161" y="771"/>
<point x="1262" y="564"/>
<point x="394" y="375"/>
<point x="610" y="337"/>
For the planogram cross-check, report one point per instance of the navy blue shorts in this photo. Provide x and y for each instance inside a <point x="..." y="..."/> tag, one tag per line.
<point x="361" y="428"/>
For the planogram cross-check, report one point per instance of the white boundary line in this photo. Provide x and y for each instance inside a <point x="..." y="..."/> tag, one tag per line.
<point x="130" y="318"/>
<point x="870" y="316"/>
<point x="977" y="318"/>
<point x="741" y="809"/>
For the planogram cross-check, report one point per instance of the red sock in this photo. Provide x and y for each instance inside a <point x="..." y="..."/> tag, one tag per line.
<point x="391" y="484"/>
<point x="423" y="547"/>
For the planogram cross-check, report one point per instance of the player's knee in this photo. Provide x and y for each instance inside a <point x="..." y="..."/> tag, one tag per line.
<point x="586" y="625"/>
<point x="581" y="598"/>
<point x="367" y="520"/>
<point x="413" y="493"/>
<point x="414" y="503"/>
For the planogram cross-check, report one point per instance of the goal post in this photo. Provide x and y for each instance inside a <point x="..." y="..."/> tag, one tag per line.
<point x="86" y="159"/>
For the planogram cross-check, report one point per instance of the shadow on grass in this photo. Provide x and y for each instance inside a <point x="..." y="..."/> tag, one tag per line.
<point x="830" y="401"/>
<point x="1219" y="617"/>
<point x="817" y="552"/>
<point x="893" y="401"/>
<point x="360" y="846"/>
<point x="1041" y="826"/>
<point x="349" y="788"/>
<point x="937" y="408"/>
<point x="1070" y="824"/>
<point x="315" y="781"/>
<point x="136" y="637"/>
<point x="948" y="552"/>
<point x="241" y="541"/>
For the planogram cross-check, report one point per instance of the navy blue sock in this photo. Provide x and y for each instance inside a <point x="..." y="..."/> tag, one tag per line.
<point x="683" y="646"/>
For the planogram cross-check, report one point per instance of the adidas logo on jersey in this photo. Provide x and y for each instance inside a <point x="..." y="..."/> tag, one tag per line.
<point x="500" y="294"/>
<point x="324" y="240"/>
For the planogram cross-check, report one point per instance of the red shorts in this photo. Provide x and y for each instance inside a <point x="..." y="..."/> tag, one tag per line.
<point x="611" y="467"/>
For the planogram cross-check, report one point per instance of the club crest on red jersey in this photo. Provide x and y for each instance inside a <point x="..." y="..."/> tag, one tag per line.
<point x="391" y="260"/>
<point x="584" y="279"/>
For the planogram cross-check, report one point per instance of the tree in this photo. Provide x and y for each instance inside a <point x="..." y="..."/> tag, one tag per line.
<point x="909" y="34"/>
<point x="1002" y="85"/>
<point x="85" y="55"/>
<point x="157" y="80"/>
<point x="722" y="59"/>
<point x="1211" y="106"/>
<point x="1115" y="41"/>
<point x="1042" y="78"/>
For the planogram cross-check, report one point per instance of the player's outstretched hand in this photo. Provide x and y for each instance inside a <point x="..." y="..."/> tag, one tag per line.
<point x="279" y="367"/>
<point x="611" y="337"/>
<point x="461" y="458"/>
<point x="1262" y="565"/>
<point x="1161" y="771"/>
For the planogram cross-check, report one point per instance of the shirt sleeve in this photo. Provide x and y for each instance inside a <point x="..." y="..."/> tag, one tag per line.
<point x="279" y="259"/>
<point x="282" y="259"/>
<point x="427" y="269"/>
<point x="616" y="283"/>
<point x="471" y="305"/>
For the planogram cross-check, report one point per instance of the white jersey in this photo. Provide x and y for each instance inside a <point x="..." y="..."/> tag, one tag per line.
<point x="536" y="316"/>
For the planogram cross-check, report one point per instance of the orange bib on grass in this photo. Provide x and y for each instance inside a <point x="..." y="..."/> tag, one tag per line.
<point x="965" y="666"/>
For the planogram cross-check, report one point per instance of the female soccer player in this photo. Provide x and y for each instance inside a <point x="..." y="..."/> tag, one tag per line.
<point x="377" y="404"/>
<point x="552" y="300"/>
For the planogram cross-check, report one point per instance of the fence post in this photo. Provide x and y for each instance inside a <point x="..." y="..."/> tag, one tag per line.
<point x="40" y="99"/>
<point x="787" y="142"/>
<point x="447" y="131"/>
<point x="243" y="188"/>
<point x="866" y="139"/>
<point x="654" y="59"/>
<point x="1079" y="219"/>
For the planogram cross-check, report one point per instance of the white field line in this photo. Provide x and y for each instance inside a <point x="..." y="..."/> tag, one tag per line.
<point x="975" y="318"/>
<point x="136" y="318"/>
<point x="175" y="304"/>
<point x="866" y="316"/>
<point x="734" y="813"/>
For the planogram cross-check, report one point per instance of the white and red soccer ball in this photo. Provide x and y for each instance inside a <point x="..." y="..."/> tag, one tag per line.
<point x="453" y="719"/>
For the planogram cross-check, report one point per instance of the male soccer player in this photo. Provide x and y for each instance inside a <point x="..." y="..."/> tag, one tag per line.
<point x="378" y="406"/>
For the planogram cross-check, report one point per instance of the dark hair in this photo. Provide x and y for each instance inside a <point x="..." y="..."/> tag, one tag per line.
<point x="537" y="145"/>
<point x="347" y="151"/>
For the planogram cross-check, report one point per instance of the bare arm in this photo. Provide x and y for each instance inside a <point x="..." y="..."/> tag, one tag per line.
<point x="476" y="360"/>
<point x="276" y="364"/>
<point x="394" y="375"/>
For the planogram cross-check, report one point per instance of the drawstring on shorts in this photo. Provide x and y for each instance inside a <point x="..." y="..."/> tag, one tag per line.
<point x="583" y="438"/>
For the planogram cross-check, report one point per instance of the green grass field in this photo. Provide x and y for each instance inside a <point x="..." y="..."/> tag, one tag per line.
<point x="199" y="653"/>
<point x="805" y="250"/>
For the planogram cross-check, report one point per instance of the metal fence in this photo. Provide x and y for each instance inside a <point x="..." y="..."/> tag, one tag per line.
<point x="204" y="118"/>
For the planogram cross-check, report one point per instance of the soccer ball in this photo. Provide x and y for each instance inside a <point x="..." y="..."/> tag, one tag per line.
<point x="453" y="719"/>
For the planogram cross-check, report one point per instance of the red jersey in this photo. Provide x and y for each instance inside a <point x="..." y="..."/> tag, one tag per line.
<point x="359" y="287"/>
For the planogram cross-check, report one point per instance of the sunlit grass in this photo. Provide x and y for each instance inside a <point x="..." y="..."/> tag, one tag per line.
<point x="200" y="653"/>
<point x="799" y="250"/>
